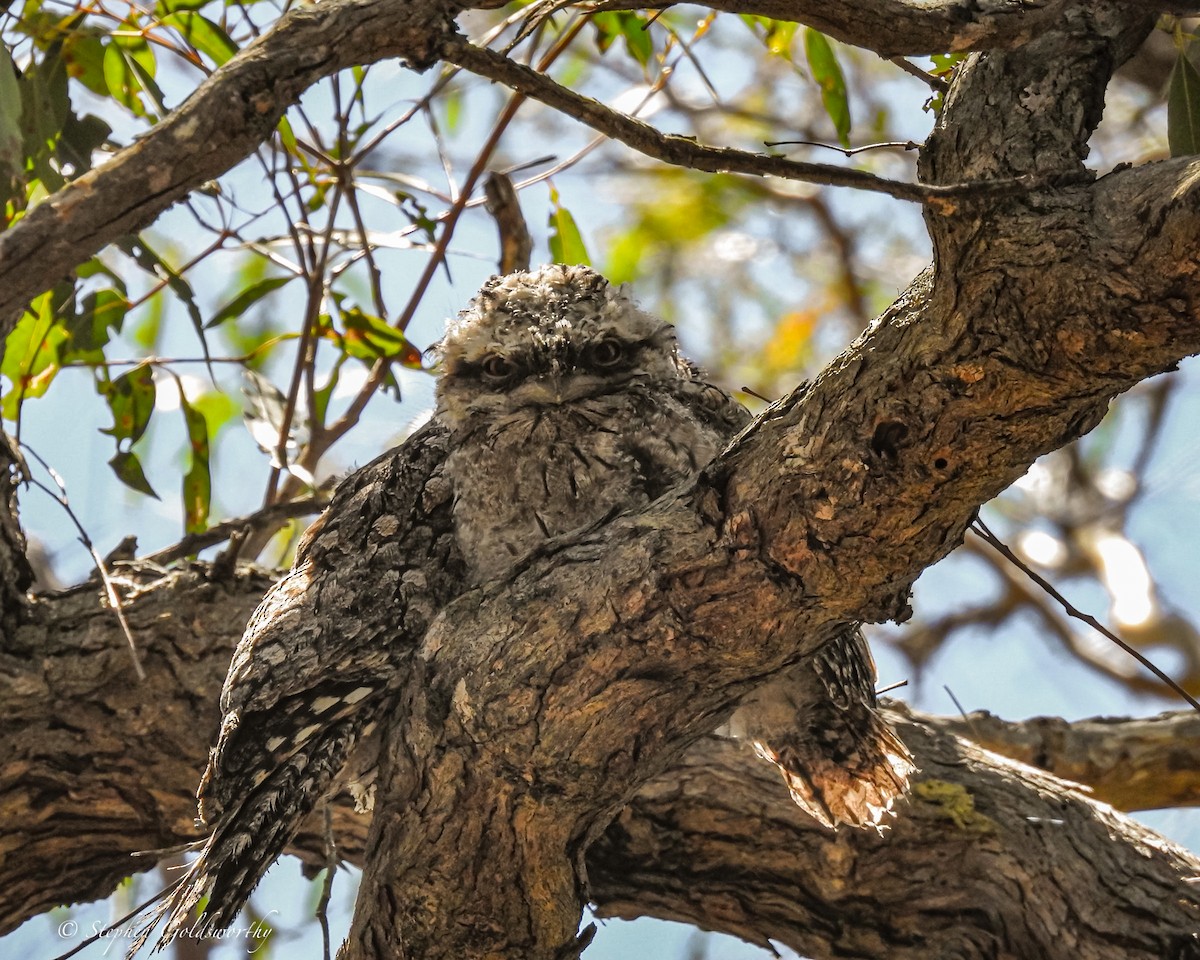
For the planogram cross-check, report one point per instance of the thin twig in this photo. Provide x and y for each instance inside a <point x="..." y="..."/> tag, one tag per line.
<point x="933" y="81"/>
<point x="689" y="152"/>
<point x="846" y="151"/>
<point x="119" y="923"/>
<point x="220" y="532"/>
<point x="980" y="529"/>
<point x="756" y="395"/>
<point x="110" y="590"/>
<point x="327" y="884"/>
<point x="963" y="713"/>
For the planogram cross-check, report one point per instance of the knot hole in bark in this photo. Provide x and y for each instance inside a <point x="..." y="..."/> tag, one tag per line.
<point x="888" y="437"/>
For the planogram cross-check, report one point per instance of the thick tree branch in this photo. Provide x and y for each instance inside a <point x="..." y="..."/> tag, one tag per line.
<point x="1008" y="116"/>
<point x="643" y="634"/>
<point x="1133" y="763"/>
<point x="913" y="28"/>
<point x="961" y="873"/>
<point x="97" y="768"/>
<point x="688" y="152"/>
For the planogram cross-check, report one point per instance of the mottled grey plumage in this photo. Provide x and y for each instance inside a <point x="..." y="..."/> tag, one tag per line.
<point x="567" y="404"/>
<point x="560" y="404"/>
<point x="315" y="671"/>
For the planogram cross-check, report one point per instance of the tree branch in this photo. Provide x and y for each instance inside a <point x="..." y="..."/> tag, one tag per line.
<point x="1133" y="763"/>
<point x="744" y="858"/>
<point x="962" y="871"/>
<point x="912" y="28"/>
<point x="688" y="152"/>
<point x="644" y="634"/>
<point x="15" y="572"/>
<point x="230" y="113"/>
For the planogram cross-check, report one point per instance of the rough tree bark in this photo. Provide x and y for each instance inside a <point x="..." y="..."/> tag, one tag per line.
<point x="15" y="573"/>
<point x="99" y="768"/>
<point x="543" y="755"/>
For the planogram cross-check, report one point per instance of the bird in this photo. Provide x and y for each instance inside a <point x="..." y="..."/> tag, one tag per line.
<point x="566" y="404"/>
<point x="560" y="404"/>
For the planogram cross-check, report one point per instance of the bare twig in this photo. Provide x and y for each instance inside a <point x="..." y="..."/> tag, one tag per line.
<point x="218" y="533"/>
<point x="331" y="860"/>
<point x="110" y="590"/>
<point x="981" y="530"/>
<point x="847" y="151"/>
<point x="516" y="244"/>
<point x="934" y="82"/>
<point x="687" y="152"/>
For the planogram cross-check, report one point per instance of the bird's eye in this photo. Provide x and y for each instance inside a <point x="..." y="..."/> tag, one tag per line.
<point x="497" y="367"/>
<point x="606" y="353"/>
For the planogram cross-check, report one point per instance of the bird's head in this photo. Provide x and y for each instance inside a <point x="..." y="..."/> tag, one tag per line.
<point x="547" y="337"/>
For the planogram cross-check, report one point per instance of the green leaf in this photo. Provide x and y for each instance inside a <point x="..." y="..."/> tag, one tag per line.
<point x="418" y="214"/>
<point x="1183" y="108"/>
<point x="141" y="61"/>
<point x="128" y="469"/>
<point x="31" y="353"/>
<point x="607" y="29"/>
<point x="88" y="329"/>
<point x="247" y="298"/>
<point x="83" y="53"/>
<point x="636" y="31"/>
<point x="944" y="63"/>
<point x="165" y="7"/>
<point x="203" y="34"/>
<point x="322" y="396"/>
<point x="81" y="136"/>
<point x="131" y="399"/>
<point x="566" y="242"/>
<point x="451" y="102"/>
<point x="146" y="258"/>
<point x="98" y="268"/>
<point x="776" y="35"/>
<point x="197" y="482"/>
<point x="218" y="409"/>
<point x="12" y="158"/>
<point x="367" y="337"/>
<point x="45" y="106"/>
<point x="121" y="81"/>
<point x="287" y="136"/>
<point x="630" y="27"/>
<point x="828" y="74"/>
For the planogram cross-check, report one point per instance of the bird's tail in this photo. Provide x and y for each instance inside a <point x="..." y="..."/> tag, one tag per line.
<point x="857" y="781"/>
<point x="249" y="836"/>
<point x="819" y="723"/>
